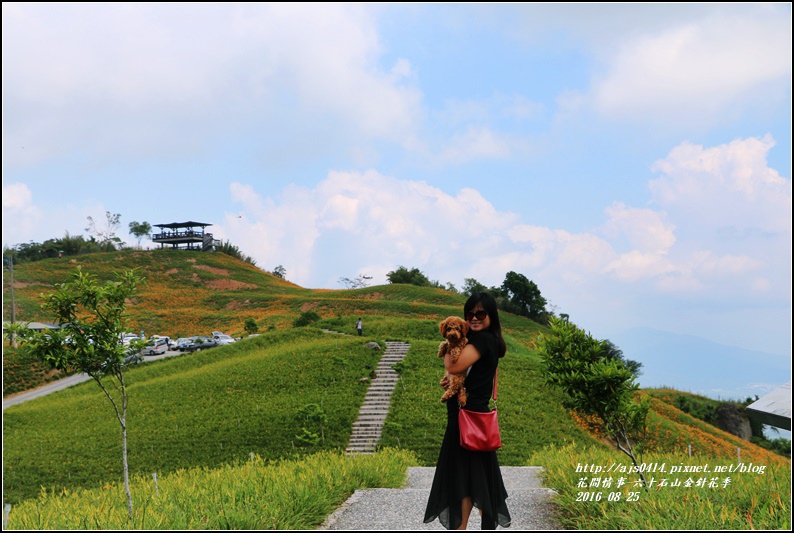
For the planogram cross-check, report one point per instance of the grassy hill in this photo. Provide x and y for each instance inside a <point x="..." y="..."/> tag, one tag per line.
<point x="218" y="407"/>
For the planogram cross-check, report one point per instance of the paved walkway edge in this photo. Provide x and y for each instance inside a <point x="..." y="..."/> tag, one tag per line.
<point x="529" y="503"/>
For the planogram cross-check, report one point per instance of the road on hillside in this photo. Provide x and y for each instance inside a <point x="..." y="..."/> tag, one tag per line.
<point x="66" y="383"/>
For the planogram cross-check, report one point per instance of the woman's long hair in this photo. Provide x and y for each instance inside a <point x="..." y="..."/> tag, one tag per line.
<point x="488" y="303"/>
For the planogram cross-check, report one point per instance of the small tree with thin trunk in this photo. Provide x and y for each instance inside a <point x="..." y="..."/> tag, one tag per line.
<point x="595" y="384"/>
<point x="92" y="317"/>
<point x="106" y="236"/>
<point x="140" y="230"/>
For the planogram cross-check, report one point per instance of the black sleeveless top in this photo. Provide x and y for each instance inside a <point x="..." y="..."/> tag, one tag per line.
<point x="479" y="382"/>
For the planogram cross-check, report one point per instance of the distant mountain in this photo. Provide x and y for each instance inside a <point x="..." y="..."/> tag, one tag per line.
<point x="700" y="366"/>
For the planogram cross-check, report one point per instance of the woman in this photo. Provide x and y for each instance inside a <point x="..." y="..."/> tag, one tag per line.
<point x="466" y="479"/>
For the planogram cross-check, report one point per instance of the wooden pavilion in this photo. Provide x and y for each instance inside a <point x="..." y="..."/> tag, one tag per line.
<point x="188" y="235"/>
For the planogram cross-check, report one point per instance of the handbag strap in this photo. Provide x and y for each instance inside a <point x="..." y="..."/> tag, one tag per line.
<point x="496" y="374"/>
<point x="495" y="382"/>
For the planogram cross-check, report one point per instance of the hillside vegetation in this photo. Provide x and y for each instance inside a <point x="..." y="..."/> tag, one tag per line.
<point x="290" y="393"/>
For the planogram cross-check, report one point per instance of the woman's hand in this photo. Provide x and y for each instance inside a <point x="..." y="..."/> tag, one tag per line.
<point x="444" y="382"/>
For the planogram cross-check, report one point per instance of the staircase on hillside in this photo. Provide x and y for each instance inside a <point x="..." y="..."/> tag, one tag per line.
<point x="367" y="429"/>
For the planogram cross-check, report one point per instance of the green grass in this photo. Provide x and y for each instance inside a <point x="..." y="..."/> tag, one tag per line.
<point x="251" y="495"/>
<point x="201" y="409"/>
<point x="733" y="501"/>
<point x="196" y="419"/>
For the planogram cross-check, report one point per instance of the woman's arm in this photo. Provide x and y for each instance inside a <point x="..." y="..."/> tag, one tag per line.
<point x="468" y="356"/>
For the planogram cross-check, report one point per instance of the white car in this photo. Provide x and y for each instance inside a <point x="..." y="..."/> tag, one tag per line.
<point x="155" y="347"/>
<point x="126" y="338"/>
<point x="224" y="339"/>
<point x="170" y="343"/>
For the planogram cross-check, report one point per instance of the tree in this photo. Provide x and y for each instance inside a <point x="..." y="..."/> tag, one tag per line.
<point x="613" y="352"/>
<point x="359" y="282"/>
<point x="250" y="326"/>
<point x="412" y="277"/>
<point x="280" y="272"/>
<point x="106" y="236"/>
<point x="92" y="318"/>
<point x="594" y="384"/>
<point x="306" y="318"/>
<point x="72" y="245"/>
<point x="471" y="286"/>
<point x="525" y="297"/>
<point x="140" y="230"/>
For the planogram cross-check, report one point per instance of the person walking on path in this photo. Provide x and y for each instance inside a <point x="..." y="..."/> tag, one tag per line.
<point x="465" y="479"/>
<point x="360" y="327"/>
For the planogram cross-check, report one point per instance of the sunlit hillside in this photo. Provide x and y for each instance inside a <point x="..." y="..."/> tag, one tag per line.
<point x="217" y="407"/>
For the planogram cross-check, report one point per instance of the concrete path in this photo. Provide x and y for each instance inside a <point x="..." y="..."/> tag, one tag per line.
<point x="404" y="509"/>
<point x="66" y="382"/>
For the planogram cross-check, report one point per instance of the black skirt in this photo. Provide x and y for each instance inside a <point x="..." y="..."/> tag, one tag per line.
<point x="461" y="473"/>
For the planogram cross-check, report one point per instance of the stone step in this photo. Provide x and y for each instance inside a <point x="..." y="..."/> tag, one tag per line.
<point x="370" y="420"/>
<point x="369" y="423"/>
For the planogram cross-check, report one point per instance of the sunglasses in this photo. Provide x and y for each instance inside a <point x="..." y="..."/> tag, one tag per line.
<point x="479" y="315"/>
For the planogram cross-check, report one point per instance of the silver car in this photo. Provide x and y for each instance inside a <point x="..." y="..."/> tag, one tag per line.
<point x="224" y="339"/>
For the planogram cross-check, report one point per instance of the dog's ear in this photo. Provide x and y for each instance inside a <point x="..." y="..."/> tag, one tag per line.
<point x="443" y="327"/>
<point x="465" y="328"/>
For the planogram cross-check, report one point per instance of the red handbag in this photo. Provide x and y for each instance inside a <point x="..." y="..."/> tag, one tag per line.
<point x="479" y="432"/>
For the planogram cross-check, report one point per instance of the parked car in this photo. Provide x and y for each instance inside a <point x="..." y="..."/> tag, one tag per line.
<point x="126" y="338"/>
<point x="155" y="347"/>
<point x="224" y="339"/>
<point x="201" y="343"/>
<point x="170" y="343"/>
<point x="182" y="343"/>
<point x="133" y="359"/>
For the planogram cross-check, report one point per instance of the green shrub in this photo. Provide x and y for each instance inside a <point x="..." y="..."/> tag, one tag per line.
<point x="305" y="319"/>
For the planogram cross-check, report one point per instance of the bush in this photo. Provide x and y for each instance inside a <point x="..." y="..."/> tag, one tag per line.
<point x="305" y="319"/>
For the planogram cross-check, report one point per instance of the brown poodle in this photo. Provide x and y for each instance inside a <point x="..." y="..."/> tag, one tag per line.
<point x="454" y="329"/>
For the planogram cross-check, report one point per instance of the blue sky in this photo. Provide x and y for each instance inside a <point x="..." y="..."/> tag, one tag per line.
<point x="632" y="160"/>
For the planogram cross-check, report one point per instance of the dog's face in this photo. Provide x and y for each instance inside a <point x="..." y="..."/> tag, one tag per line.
<point x="454" y="329"/>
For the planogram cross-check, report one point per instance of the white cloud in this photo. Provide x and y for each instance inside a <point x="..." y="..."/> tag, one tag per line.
<point x="366" y="219"/>
<point x="25" y="221"/>
<point x="16" y="196"/>
<point x="730" y="185"/>
<point x="371" y="219"/>
<point x="125" y="78"/>
<point x="20" y="215"/>
<point x="697" y="69"/>
<point x="636" y="265"/>
<point x="645" y="229"/>
<point x="475" y="143"/>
